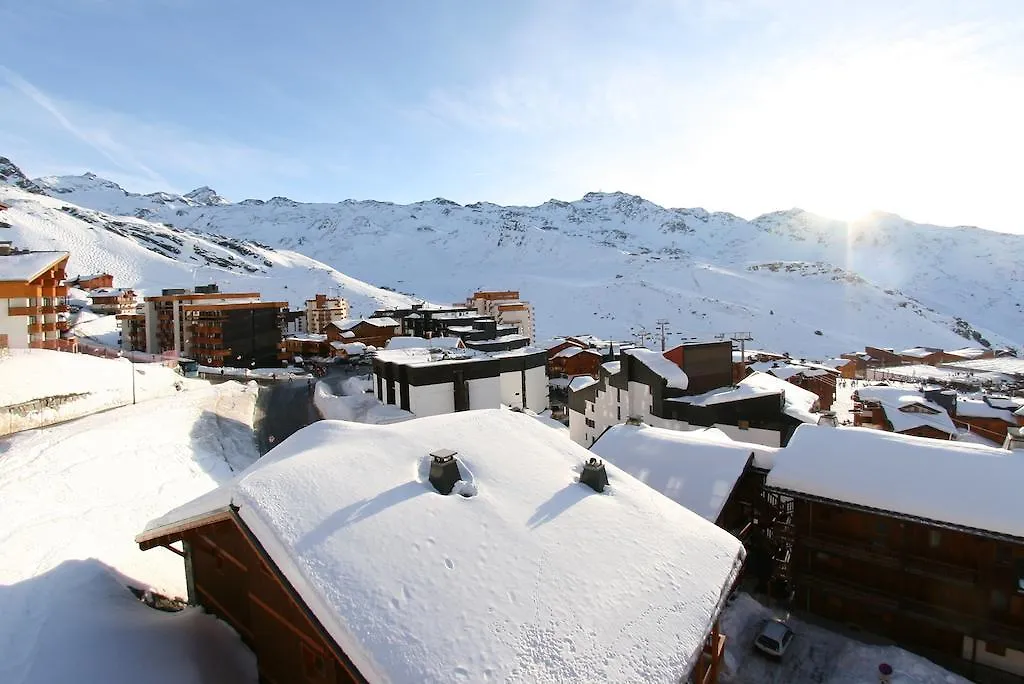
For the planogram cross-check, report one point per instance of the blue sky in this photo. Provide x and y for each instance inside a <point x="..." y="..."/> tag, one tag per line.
<point x="746" y="106"/>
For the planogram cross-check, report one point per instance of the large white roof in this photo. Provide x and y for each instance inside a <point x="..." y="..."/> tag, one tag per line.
<point x="799" y="403"/>
<point x="673" y="374"/>
<point x="697" y="469"/>
<point x="25" y="267"/>
<point x="535" y="578"/>
<point x="969" y="485"/>
<point x="892" y="399"/>
<point x="412" y="342"/>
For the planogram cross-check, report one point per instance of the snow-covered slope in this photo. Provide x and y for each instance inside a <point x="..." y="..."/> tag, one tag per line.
<point x="150" y="256"/>
<point x="610" y="262"/>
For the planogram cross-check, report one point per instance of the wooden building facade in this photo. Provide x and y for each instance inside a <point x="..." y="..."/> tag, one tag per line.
<point x="230" y="574"/>
<point x="951" y="593"/>
<point x="33" y="301"/>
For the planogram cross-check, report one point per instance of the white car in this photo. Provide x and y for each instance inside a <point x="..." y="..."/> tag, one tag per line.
<point x="773" y="638"/>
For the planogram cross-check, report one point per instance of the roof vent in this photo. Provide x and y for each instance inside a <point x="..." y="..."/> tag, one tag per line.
<point x="828" y="418"/>
<point x="1014" y="439"/>
<point x="444" y="470"/>
<point x="594" y="475"/>
<point x="634" y="420"/>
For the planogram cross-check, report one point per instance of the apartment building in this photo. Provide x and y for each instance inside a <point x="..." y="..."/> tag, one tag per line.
<point x="506" y="308"/>
<point x="33" y="300"/>
<point x="322" y="310"/>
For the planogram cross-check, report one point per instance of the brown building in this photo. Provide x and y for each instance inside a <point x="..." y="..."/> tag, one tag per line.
<point x="856" y="367"/>
<point x="881" y="356"/>
<point x="812" y="377"/>
<point x="92" y="282"/>
<point x="306" y="345"/>
<point x="239" y="335"/>
<point x="915" y="539"/>
<point x="110" y="300"/>
<point x="906" y="411"/>
<point x="33" y="301"/>
<point x="132" y="331"/>
<point x="322" y="309"/>
<point x="373" y="332"/>
<point x="325" y="550"/>
<point x="989" y="416"/>
<point x="573" y="361"/>
<point x="929" y="356"/>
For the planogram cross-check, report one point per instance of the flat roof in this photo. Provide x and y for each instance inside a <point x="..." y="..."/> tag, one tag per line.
<point x="204" y="295"/>
<point x="528" y="575"/>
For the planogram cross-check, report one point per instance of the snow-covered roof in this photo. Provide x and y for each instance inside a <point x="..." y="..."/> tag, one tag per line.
<point x="353" y="348"/>
<point x="914" y="476"/>
<point x="1008" y="365"/>
<point x="695" y="469"/>
<point x="383" y="322"/>
<point x="581" y="382"/>
<point x="673" y="374"/>
<point x="979" y="408"/>
<point x="612" y="367"/>
<point x="349" y="323"/>
<point x="91" y="276"/>
<point x="422" y="356"/>
<point x="917" y="352"/>
<point x="110" y="292"/>
<point x="410" y="342"/>
<point x="799" y="403"/>
<point x="968" y="352"/>
<point x="348" y="334"/>
<point x="892" y="399"/>
<point x="26" y="267"/>
<point x="786" y="371"/>
<point x="414" y="586"/>
<point x="836" y="363"/>
<point x="1019" y="412"/>
<point x="307" y="337"/>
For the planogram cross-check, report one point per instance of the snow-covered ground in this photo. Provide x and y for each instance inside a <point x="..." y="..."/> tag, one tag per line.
<point x="816" y="655"/>
<point x="356" y="404"/>
<point x="34" y="374"/>
<point x="97" y="328"/>
<point x="72" y="499"/>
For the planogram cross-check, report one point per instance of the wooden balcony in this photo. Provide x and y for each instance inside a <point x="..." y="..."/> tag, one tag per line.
<point x="24" y="311"/>
<point x="851" y="548"/>
<point x="35" y="328"/>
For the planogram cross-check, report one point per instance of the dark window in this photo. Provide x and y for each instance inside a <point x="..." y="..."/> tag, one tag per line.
<point x="934" y="539"/>
<point x="995" y="648"/>
<point x="589" y="422"/>
<point x="998" y="600"/>
<point x="618" y="412"/>
<point x="1003" y="554"/>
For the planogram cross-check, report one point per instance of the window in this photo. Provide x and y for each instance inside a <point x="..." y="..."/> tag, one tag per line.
<point x="995" y="648"/>
<point x="589" y="422"/>
<point x="743" y="424"/>
<point x="1003" y="554"/>
<point x="998" y="600"/>
<point x="1020" y="577"/>
<point x="934" y="539"/>
<point x="618" y="413"/>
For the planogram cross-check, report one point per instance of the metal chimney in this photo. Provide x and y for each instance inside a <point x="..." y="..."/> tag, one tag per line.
<point x="828" y="418"/>
<point x="594" y="475"/>
<point x="444" y="470"/>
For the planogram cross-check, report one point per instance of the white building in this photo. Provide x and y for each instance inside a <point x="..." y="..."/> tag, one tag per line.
<point x="505" y="307"/>
<point x="429" y="382"/>
<point x="469" y="547"/>
<point x="322" y="310"/>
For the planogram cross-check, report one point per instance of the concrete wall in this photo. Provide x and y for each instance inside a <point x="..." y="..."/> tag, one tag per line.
<point x="537" y="389"/>
<point x="430" y="400"/>
<point x="484" y="393"/>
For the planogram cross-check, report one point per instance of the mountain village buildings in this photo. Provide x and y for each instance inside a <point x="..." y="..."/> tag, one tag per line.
<point x="112" y="301"/>
<point x="322" y="310"/>
<point x="214" y="328"/>
<point x="506" y="308"/>
<point x="366" y="553"/>
<point x="33" y="301"/>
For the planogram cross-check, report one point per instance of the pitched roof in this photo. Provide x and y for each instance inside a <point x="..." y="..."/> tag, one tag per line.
<point x="799" y="403"/>
<point x="673" y="374"/>
<point x="696" y="469"/>
<point x="894" y="399"/>
<point x="26" y="267"/>
<point x="533" y="577"/>
<point x="967" y="485"/>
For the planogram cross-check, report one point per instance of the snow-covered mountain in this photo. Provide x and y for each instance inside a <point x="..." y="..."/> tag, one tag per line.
<point x="152" y="256"/>
<point x="611" y="262"/>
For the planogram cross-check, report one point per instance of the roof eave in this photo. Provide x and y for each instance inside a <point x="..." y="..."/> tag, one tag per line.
<point x="172" y="532"/>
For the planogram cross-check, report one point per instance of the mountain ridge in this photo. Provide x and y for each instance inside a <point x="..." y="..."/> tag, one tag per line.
<point x="611" y="262"/>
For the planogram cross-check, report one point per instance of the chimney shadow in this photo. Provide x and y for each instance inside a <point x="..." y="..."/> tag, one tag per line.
<point x="560" y="501"/>
<point x="361" y="510"/>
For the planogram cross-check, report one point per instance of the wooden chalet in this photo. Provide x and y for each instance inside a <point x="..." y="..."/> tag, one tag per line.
<point x="373" y="332"/>
<point x="334" y="565"/>
<point x="906" y="411"/>
<point x="573" y="361"/>
<point x="918" y="540"/>
<point x="33" y="301"/>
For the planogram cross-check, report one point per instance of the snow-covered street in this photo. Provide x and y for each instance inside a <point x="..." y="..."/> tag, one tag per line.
<point x="816" y="655"/>
<point x="72" y="499"/>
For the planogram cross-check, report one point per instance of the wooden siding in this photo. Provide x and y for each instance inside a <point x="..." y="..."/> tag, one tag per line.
<point x="232" y="579"/>
<point x="924" y="586"/>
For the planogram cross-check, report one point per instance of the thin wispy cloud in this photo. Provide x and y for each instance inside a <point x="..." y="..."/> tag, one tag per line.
<point x="101" y="141"/>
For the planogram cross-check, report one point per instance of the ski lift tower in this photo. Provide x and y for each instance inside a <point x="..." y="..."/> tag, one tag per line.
<point x="741" y="337"/>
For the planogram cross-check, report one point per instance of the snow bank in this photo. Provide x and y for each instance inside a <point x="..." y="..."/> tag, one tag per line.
<point x="31" y="375"/>
<point x="693" y="469"/>
<point x="914" y="476"/>
<point x="358" y="406"/>
<point x="68" y="554"/>
<point x="534" y="578"/>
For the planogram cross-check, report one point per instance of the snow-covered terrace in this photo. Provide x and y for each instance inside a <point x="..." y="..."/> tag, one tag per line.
<point x="913" y="476"/>
<point x="528" y="576"/>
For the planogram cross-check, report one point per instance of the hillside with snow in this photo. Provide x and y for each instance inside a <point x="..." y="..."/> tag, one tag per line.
<point x="150" y="256"/>
<point x="611" y="262"/>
